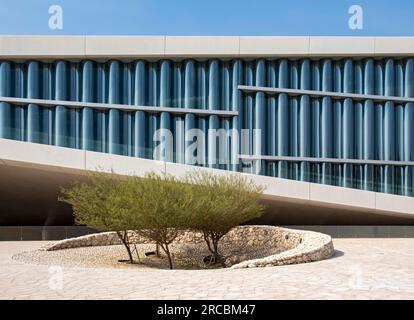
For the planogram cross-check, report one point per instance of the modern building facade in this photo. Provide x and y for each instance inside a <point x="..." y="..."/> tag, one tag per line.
<point x="330" y="111"/>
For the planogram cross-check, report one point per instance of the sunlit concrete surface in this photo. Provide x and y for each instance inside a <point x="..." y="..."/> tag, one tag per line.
<point x="33" y="174"/>
<point x="129" y="47"/>
<point x="361" y="269"/>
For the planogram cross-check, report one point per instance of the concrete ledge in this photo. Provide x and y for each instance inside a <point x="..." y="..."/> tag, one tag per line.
<point x="18" y="153"/>
<point x="274" y="46"/>
<point x="122" y="165"/>
<point x="124" y="46"/>
<point x="342" y="196"/>
<point x="33" y="47"/>
<point x="201" y="46"/>
<point x="158" y="47"/>
<point x="40" y="154"/>
<point x="334" y="46"/>
<point x="394" y="46"/>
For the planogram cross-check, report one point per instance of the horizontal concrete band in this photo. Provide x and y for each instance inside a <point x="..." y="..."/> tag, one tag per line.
<point x="107" y="47"/>
<point x="326" y="160"/>
<point x="124" y="107"/>
<point x="322" y="94"/>
<point x="66" y="159"/>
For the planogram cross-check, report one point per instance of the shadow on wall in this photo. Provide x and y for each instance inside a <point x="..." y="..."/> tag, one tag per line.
<point x="28" y="197"/>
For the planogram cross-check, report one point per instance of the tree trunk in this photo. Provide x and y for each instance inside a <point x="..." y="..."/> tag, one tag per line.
<point x="157" y="249"/>
<point x="123" y="235"/>
<point x="166" y="249"/>
<point x="212" y="241"/>
<point x="170" y="264"/>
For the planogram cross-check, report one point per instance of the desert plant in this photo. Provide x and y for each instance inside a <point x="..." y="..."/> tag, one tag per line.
<point x="221" y="202"/>
<point x="98" y="204"/>
<point x="160" y="204"/>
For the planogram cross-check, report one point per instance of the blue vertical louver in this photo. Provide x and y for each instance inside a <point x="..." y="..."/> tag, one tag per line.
<point x="295" y="126"/>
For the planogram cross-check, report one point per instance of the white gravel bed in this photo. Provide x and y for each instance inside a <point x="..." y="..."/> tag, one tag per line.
<point x="185" y="256"/>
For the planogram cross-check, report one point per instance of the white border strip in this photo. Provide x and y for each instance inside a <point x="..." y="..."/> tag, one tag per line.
<point x="158" y="47"/>
<point x="321" y="94"/>
<point x="123" y="107"/>
<point x="326" y="160"/>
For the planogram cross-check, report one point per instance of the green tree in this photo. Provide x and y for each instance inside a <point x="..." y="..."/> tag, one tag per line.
<point x="221" y="202"/>
<point x="98" y="204"/>
<point x="160" y="204"/>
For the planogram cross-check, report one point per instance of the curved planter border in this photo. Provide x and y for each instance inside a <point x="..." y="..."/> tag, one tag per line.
<point x="314" y="246"/>
<point x="297" y="246"/>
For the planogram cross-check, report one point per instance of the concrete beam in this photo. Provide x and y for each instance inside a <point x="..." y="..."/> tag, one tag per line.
<point x="25" y="154"/>
<point x="180" y="47"/>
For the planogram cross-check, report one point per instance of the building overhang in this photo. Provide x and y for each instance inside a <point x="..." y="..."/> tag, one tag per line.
<point x="32" y="175"/>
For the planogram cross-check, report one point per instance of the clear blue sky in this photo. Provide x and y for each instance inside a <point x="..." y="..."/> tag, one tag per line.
<point x="209" y="17"/>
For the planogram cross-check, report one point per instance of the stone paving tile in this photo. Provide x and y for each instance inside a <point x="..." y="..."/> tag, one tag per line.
<point x="365" y="269"/>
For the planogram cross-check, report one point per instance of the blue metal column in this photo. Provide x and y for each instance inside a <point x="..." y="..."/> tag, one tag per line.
<point x="114" y="131"/>
<point x="409" y="127"/>
<point x="316" y="168"/>
<point x="19" y="111"/>
<point x="305" y="120"/>
<point x="88" y="84"/>
<point x="369" y="126"/>
<point x="283" y="137"/>
<point x="75" y="94"/>
<point x="379" y="127"/>
<point x="225" y="122"/>
<point x="294" y="111"/>
<point x="259" y="143"/>
<point x="140" y="117"/>
<point x="271" y="168"/>
<point x="399" y="128"/>
<point x="213" y="104"/>
<point x="5" y="108"/>
<point x="153" y="96"/>
<point x="48" y="114"/>
<point x="165" y="101"/>
<point x="61" y="113"/>
<point x="327" y="134"/>
<point x="189" y="99"/>
<point x="389" y="126"/>
<point x="126" y="116"/>
<point x="202" y="101"/>
<point x="337" y="124"/>
<point x="237" y="103"/>
<point x="348" y="124"/>
<point x="33" y="112"/>
<point x="358" y="125"/>
<point x="179" y="126"/>
<point x="247" y="139"/>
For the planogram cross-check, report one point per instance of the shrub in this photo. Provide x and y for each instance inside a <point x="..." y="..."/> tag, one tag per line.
<point x="97" y="203"/>
<point x="160" y="206"/>
<point x="221" y="202"/>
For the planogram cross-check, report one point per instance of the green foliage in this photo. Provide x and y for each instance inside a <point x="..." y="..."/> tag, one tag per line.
<point x="96" y="203"/>
<point x="222" y="202"/>
<point x="159" y="205"/>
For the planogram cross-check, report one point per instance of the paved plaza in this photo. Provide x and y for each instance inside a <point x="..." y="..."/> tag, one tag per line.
<point x="360" y="269"/>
